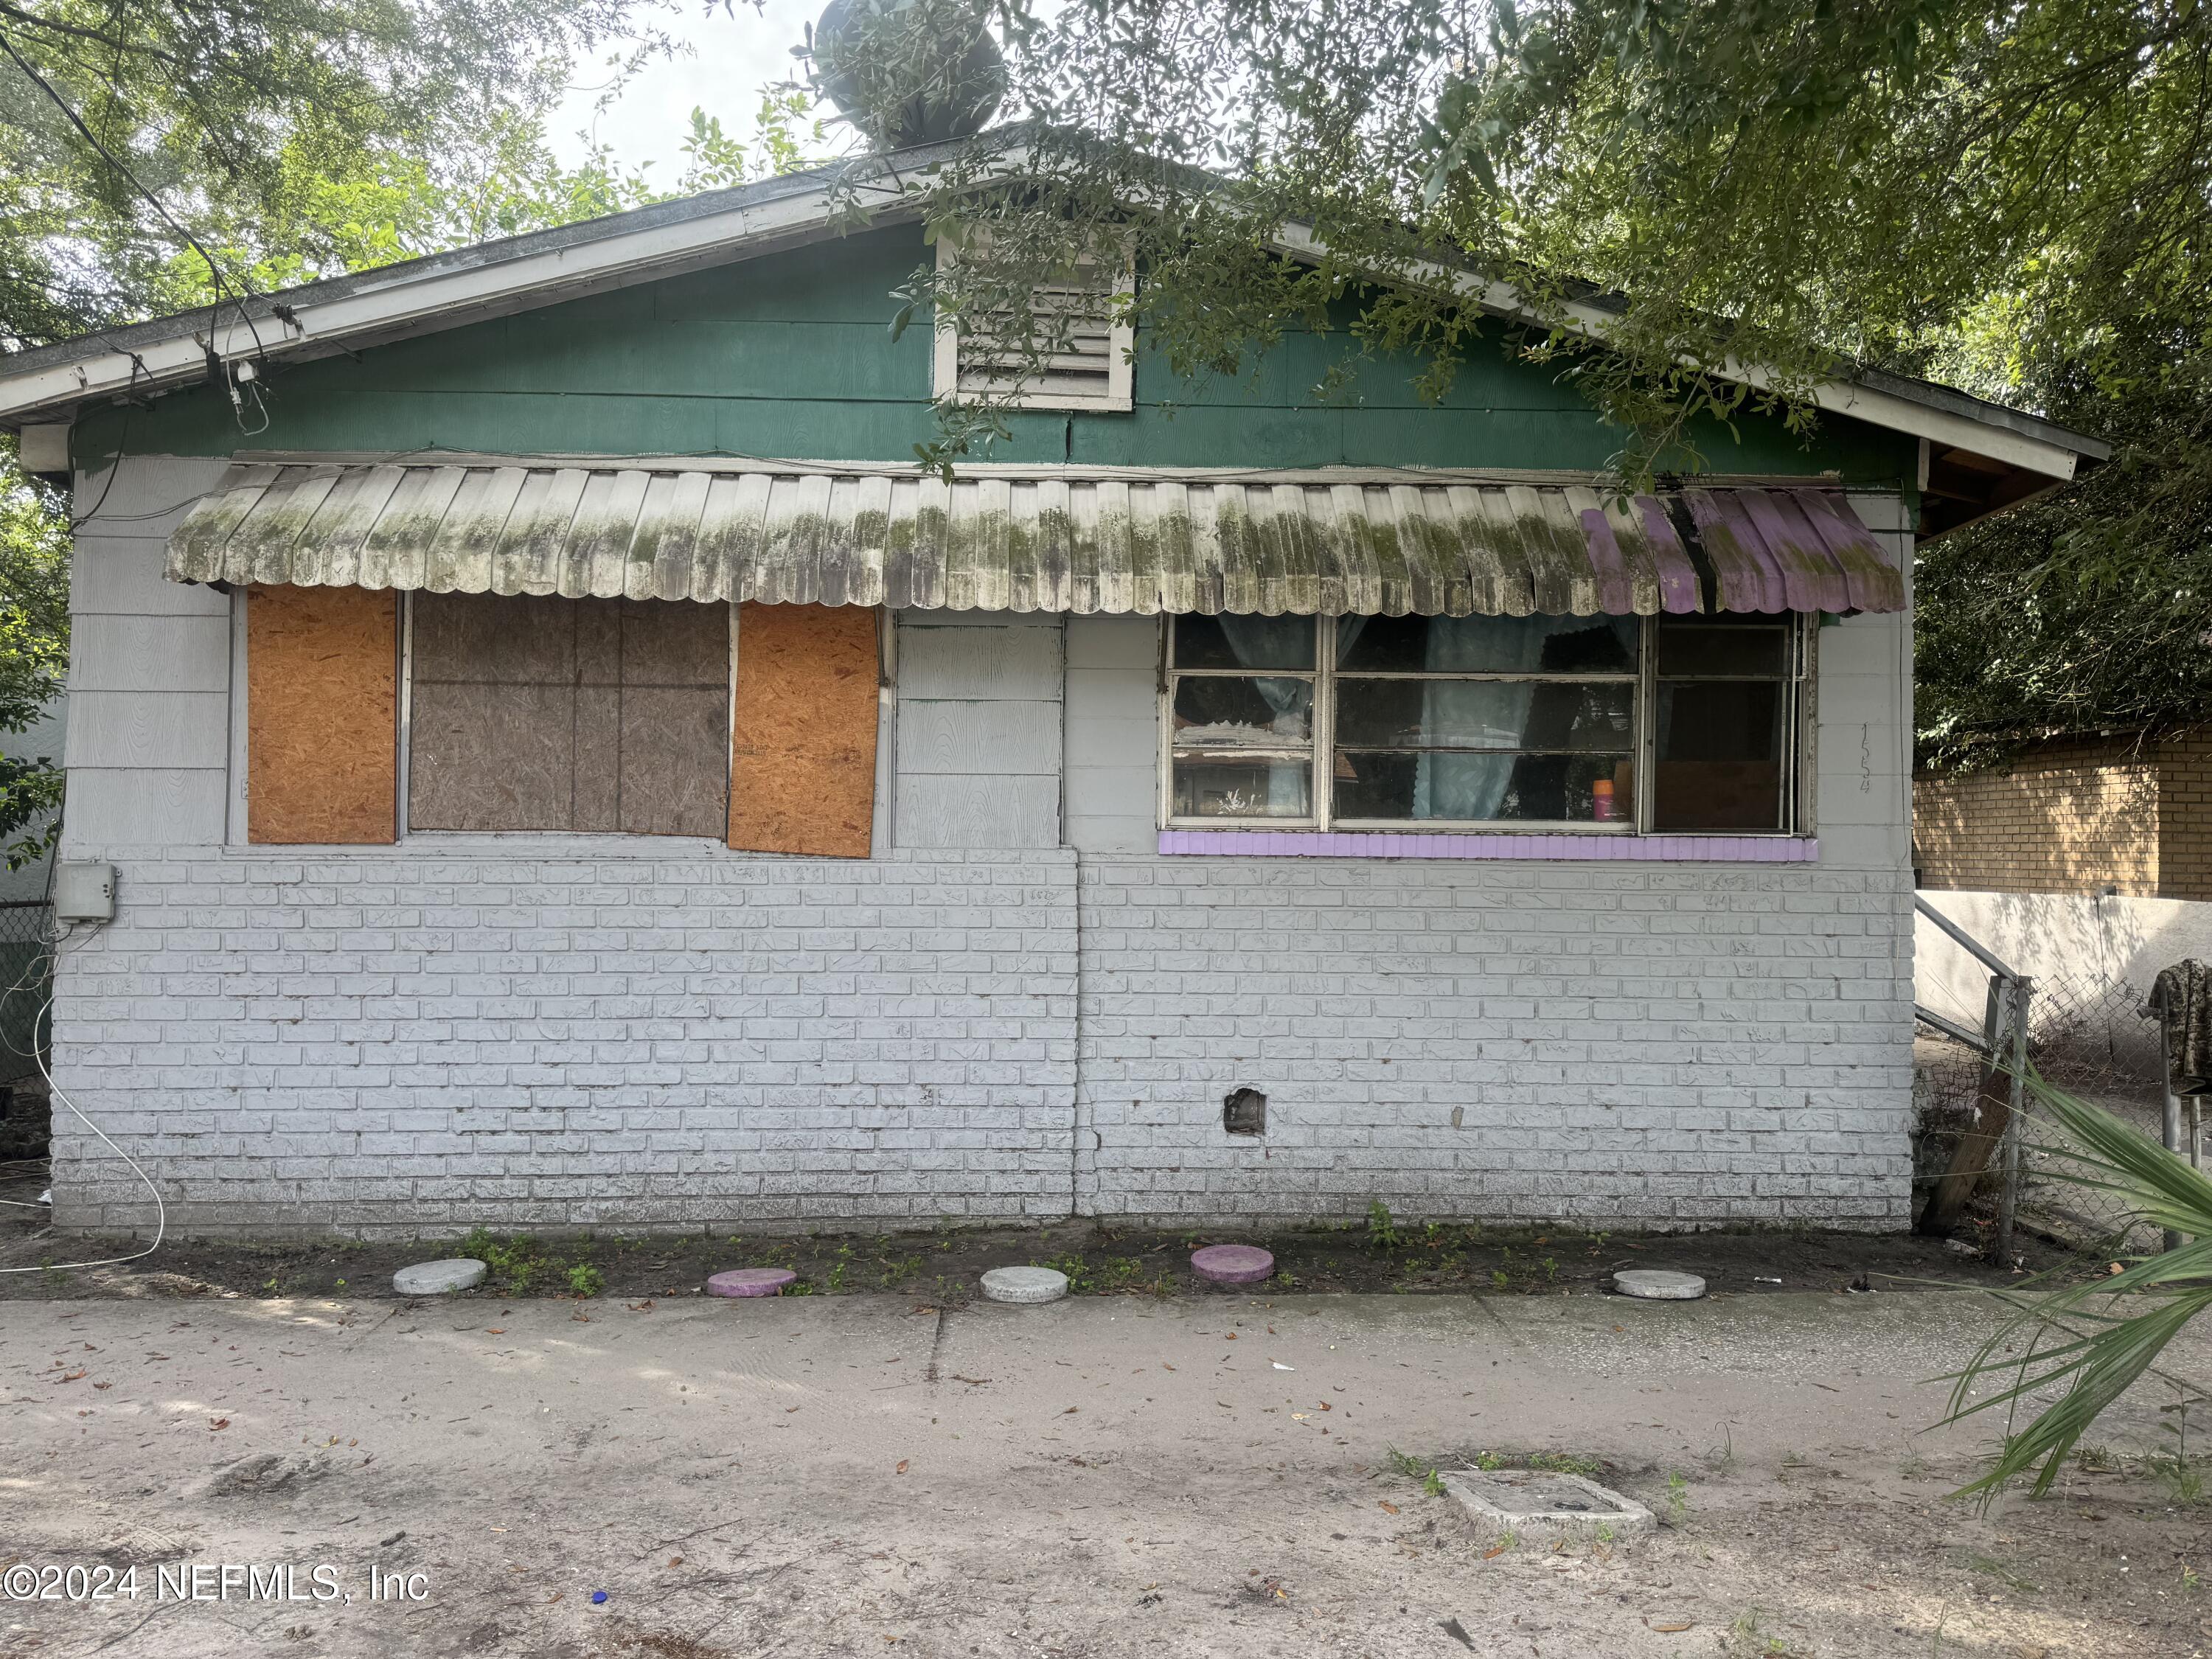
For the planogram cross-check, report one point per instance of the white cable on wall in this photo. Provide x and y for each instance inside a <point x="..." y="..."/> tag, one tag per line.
<point x="161" y="1210"/>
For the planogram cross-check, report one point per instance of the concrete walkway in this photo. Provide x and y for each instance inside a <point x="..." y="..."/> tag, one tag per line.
<point x="1105" y="1477"/>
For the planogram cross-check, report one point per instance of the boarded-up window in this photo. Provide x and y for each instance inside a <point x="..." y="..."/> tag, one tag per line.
<point x="322" y="690"/>
<point x="583" y="714"/>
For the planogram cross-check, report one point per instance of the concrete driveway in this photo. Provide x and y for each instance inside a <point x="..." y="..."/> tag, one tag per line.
<point x="1101" y="1477"/>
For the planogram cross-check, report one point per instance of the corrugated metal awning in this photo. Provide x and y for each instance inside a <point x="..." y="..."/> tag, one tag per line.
<point x="1387" y="543"/>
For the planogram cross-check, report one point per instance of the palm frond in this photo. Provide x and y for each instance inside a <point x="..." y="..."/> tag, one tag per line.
<point x="2109" y="1345"/>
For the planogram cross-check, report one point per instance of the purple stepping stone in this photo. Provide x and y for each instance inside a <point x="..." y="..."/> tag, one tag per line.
<point x="1233" y="1264"/>
<point x="750" y="1281"/>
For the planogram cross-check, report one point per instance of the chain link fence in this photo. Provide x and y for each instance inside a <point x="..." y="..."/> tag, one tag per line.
<point x="2087" y="1035"/>
<point x="26" y="1025"/>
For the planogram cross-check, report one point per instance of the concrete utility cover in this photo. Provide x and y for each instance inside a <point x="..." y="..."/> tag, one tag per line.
<point x="1024" y="1284"/>
<point x="1527" y="1501"/>
<point x="1233" y="1264"/>
<point x="1657" y="1285"/>
<point x="750" y="1281"/>
<point x="437" y="1277"/>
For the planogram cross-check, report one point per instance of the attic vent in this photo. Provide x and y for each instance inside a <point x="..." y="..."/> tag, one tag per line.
<point x="1088" y="367"/>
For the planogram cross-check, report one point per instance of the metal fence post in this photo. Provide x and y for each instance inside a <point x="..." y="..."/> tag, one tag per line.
<point x="2171" y="1124"/>
<point x="2016" y="1000"/>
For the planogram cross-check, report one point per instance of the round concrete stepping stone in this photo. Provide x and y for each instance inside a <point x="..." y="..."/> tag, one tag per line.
<point x="439" y="1278"/>
<point x="1657" y="1285"/>
<point x="1233" y="1264"/>
<point x="1024" y="1284"/>
<point x="751" y="1281"/>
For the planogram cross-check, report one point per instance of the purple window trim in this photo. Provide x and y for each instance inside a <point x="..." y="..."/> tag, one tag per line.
<point x="1392" y="844"/>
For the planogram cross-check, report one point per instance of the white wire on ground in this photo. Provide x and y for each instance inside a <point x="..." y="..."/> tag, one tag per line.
<point x="161" y="1210"/>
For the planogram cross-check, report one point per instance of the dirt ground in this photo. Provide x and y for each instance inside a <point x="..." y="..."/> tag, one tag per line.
<point x="1105" y="1478"/>
<point x="942" y="1265"/>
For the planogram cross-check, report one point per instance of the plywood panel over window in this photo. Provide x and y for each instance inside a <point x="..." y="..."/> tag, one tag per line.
<point x="531" y="712"/>
<point x="322" y="691"/>
<point x="803" y="772"/>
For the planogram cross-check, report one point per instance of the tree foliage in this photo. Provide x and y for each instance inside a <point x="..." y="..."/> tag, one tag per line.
<point x="2089" y="610"/>
<point x="240" y="119"/>
<point x="34" y="654"/>
<point x="158" y="155"/>
<point x="2011" y="195"/>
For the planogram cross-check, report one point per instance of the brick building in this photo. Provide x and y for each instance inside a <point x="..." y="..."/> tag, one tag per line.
<point x="2124" y="812"/>
<point x="529" y="808"/>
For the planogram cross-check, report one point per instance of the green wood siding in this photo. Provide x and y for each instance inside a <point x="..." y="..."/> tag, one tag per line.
<point x="790" y="355"/>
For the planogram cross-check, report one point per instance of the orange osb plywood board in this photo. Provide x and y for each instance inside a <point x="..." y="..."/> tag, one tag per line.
<point x="802" y="747"/>
<point x="322" y="692"/>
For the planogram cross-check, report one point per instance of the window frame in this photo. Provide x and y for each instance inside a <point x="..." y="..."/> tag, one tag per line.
<point x="404" y="770"/>
<point x="1797" y="683"/>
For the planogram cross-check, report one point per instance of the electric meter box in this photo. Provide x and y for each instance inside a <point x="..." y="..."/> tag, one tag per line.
<point x="84" y="892"/>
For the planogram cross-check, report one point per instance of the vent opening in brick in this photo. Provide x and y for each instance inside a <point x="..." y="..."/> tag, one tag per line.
<point x="1244" y="1112"/>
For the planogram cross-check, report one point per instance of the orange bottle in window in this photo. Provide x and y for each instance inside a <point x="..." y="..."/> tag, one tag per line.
<point x="1602" y="806"/>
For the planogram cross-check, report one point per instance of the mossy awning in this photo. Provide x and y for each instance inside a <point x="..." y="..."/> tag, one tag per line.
<point x="1385" y="544"/>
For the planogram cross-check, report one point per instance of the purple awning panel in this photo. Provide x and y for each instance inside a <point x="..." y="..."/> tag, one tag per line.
<point x="1792" y="549"/>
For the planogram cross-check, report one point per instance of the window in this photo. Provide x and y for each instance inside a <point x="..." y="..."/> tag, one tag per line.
<point x="533" y="713"/>
<point x="1725" y="738"/>
<point x="1384" y="722"/>
<point x="1087" y="364"/>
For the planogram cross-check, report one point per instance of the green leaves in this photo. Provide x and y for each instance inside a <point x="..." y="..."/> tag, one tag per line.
<point x="2096" y="1340"/>
<point x="237" y="114"/>
<point x="33" y="655"/>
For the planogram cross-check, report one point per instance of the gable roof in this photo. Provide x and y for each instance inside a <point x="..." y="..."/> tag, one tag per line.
<point x="1981" y="456"/>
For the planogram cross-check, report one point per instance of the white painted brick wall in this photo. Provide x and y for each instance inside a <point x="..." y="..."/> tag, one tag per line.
<point x="1672" y="1046"/>
<point x="417" y="1042"/>
<point x="631" y="1034"/>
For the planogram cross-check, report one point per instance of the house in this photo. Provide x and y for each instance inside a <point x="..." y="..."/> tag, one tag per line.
<point x="564" y="767"/>
<point x="2106" y="812"/>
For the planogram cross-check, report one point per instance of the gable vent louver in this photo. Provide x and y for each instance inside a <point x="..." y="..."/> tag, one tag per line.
<point x="1087" y="362"/>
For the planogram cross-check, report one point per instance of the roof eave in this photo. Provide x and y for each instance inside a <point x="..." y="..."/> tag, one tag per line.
<point x="646" y="244"/>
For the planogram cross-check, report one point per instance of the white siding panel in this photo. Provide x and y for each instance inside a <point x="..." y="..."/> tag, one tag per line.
<point x="979" y="811"/>
<point x="993" y="662"/>
<point x="997" y="739"/>
<point x="137" y="729"/>
<point x="166" y="807"/>
<point x="1112" y="734"/>
<point x="121" y="575"/>
<point x="149" y="494"/>
<point x="149" y="654"/>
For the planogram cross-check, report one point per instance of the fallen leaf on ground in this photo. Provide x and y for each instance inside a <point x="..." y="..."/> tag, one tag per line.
<point x="218" y="1422"/>
<point x="1671" y="1626"/>
<point x="902" y="1468"/>
<point x="494" y="1330"/>
<point x="1231" y="1337"/>
<point x="1391" y="1508"/>
<point x="1071" y="1411"/>
<point x="1493" y="1552"/>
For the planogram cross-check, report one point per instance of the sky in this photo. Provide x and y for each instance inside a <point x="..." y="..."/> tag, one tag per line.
<point x="735" y="53"/>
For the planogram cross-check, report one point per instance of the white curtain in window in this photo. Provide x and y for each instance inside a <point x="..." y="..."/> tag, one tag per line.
<point x="1490" y="712"/>
<point x="1271" y="642"/>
